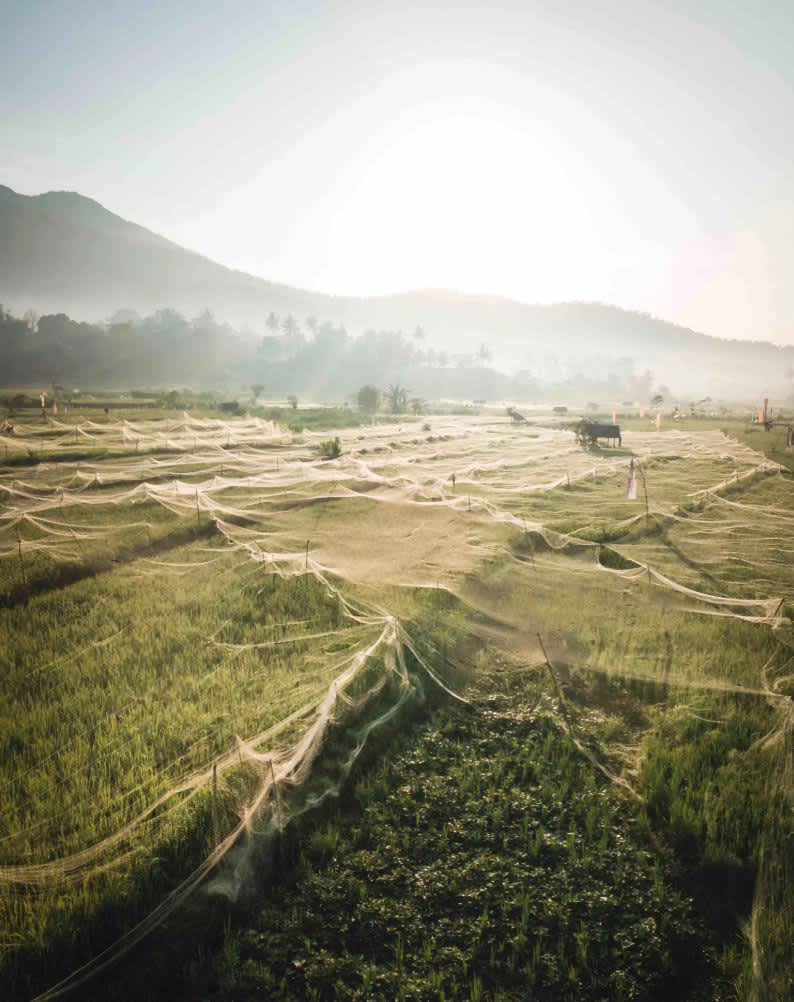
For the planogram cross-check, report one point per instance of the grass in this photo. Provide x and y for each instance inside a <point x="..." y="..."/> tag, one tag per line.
<point x="485" y="860"/>
<point x="95" y="727"/>
<point x="484" y="852"/>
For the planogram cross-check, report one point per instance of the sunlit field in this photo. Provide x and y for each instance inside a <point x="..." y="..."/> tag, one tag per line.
<point x="560" y="721"/>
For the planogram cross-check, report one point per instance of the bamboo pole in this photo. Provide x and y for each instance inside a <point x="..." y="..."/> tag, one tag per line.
<point x="22" y="561"/>
<point x="215" y="835"/>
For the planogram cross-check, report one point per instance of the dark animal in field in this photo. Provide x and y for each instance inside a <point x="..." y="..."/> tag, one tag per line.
<point x="515" y="415"/>
<point x="589" y="432"/>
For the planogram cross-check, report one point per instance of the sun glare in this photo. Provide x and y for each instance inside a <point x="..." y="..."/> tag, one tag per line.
<point x="466" y="201"/>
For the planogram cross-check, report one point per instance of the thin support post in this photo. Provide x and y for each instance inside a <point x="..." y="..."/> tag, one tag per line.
<point x="76" y="540"/>
<point x="215" y="836"/>
<point x="278" y="814"/>
<point x="306" y="563"/>
<point x="555" y="680"/>
<point x="641" y="469"/>
<point x="22" y="561"/>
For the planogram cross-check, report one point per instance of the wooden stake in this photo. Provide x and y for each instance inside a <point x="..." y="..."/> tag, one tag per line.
<point x="76" y="540"/>
<point x="277" y="793"/>
<point x="22" y="561"/>
<point x="215" y="836"/>
<point x="555" y="681"/>
<point x="641" y="469"/>
<point x="306" y="565"/>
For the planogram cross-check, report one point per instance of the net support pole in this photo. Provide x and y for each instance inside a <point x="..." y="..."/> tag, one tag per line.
<point x="276" y="795"/>
<point x="555" y="681"/>
<point x="215" y="838"/>
<point x="22" y="561"/>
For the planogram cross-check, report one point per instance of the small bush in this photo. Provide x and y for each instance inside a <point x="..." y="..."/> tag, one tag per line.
<point x="331" y="448"/>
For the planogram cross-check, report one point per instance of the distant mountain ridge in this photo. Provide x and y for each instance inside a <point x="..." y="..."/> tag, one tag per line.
<point x="63" y="252"/>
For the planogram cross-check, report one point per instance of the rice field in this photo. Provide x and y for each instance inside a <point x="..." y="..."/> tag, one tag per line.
<point x="204" y="622"/>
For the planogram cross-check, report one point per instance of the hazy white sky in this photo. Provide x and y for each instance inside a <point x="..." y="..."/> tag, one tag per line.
<point x="627" y="151"/>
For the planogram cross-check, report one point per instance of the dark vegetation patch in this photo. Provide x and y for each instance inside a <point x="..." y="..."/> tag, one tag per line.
<point x="486" y="859"/>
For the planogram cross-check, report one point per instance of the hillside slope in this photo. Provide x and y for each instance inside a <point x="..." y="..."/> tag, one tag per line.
<point x="62" y="252"/>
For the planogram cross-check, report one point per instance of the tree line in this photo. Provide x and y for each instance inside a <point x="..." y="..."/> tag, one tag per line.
<point x="317" y="359"/>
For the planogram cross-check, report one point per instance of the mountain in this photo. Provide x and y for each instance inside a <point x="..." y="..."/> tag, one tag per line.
<point x="62" y="252"/>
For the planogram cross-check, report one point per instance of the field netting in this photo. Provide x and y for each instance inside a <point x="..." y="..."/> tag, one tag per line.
<point x="260" y="611"/>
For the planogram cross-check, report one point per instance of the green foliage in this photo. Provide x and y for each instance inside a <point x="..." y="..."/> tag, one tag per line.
<point x="369" y="398"/>
<point x="232" y="407"/>
<point x="397" y="398"/>
<point x="486" y="856"/>
<point x="487" y="861"/>
<point x="331" y="448"/>
<point x="93" y="727"/>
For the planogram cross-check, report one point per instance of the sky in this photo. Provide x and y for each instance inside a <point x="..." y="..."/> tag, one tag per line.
<point x="622" y="151"/>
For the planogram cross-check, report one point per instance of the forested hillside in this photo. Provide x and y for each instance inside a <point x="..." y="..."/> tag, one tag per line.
<point x="62" y="252"/>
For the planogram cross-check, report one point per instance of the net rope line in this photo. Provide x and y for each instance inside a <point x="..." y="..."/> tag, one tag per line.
<point x="248" y="513"/>
<point x="50" y="665"/>
<point x="299" y="557"/>
<point x="182" y="492"/>
<point x="569" y="445"/>
<point x="74" y="865"/>
<point x="186" y="500"/>
<point x="289" y="767"/>
<point x="286" y="699"/>
<point x="368" y="618"/>
<point x="153" y="694"/>
<point x="780" y="738"/>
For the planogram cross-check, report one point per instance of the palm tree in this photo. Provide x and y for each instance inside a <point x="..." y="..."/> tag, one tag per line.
<point x="272" y="322"/>
<point x="292" y="334"/>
